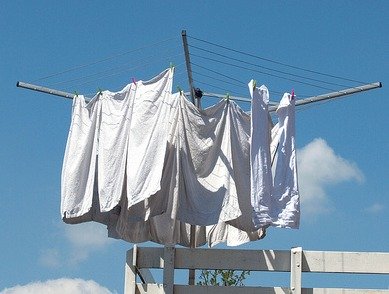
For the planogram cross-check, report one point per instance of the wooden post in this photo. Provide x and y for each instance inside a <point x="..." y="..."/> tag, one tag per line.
<point x="130" y="271"/>
<point x="295" y="270"/>
<point x="168" y="269"/>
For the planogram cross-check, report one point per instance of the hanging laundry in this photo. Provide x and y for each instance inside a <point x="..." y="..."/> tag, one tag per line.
<point x="148" y="164"/>
<point x="101" y="135"/>
<point x="286" y="197"/>
<point x="278" y="200"/>
<point x="261" y="180"/>
<point x="78" y="171"/>
<point x="242" y="229"/>
<point x="198" y="176"/>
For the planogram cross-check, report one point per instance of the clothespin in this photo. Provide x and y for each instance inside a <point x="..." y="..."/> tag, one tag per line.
<point x="134" y="81"/>
<point x="179" y="89"/>
<point x="227" y="97"/>
<point x="75" y="93"/>
<point x="254" y="84"/>
<point x="99" y="91"/>
<point x="198" y="93"/>
<point x="292" y="95"/>
<point x="171" y="66"/>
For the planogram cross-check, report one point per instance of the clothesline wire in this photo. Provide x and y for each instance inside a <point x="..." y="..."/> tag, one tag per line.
<point x="218" y="73"/>
<point x="265" y="73"/>
<point x="216" y="87"/>
<point x="115" y="70"/>
<point x="219" y="80"/>
<point x="276" y="62"/>
<point x="103" y="60"/>
<point x="241" y="84"/>
<point x="267" y="68"/>
<point x="115" y="74"/>
<point x="175" y="74"/>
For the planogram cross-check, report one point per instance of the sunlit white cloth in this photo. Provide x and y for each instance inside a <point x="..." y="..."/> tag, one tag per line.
<point x="148" y="164"/>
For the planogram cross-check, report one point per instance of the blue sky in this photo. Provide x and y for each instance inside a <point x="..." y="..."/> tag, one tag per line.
<point x="343" y="145"/>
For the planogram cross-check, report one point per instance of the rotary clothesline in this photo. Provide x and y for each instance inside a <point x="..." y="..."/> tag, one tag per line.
<point x="196" y="98"/>
<point x="218" y="231"/>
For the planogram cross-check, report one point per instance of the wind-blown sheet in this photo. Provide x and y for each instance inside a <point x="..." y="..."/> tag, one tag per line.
<point x="147" y="163"/>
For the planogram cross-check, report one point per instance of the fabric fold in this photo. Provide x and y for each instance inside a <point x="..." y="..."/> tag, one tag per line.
<point x="260" y="160"/>
<point x="148" y="164"/>
<point x="286" y="198"/>
<point x="78" y="170"/>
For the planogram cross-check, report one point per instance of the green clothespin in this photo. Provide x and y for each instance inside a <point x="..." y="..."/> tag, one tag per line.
<point x="75" y="93"/>
<point x="179" y="89"/>
<point x="254" y="84"/>
<point x="227" y="97"/>
<point x="171" y="66"/>
<point x="99" y="91"/>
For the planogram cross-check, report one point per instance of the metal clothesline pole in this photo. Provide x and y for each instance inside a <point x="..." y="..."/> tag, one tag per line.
<point x="196" y="102"/>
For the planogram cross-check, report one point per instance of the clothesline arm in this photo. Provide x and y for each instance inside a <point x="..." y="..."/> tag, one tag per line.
<point x="333" y="95"/>
<point x="272" y="108"/>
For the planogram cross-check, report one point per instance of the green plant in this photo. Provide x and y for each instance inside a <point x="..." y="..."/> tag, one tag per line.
<point x="222" y="277"/>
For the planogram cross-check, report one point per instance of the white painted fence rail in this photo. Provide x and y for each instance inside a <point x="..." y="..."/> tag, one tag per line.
<point x="296" y="261"/>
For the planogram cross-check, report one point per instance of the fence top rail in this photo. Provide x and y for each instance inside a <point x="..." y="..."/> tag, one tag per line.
<point x="185" y="289"/>
<point x="266" y="260"/>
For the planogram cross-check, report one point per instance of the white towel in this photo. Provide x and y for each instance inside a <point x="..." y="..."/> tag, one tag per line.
<point x="286" y="198"/>
<point x="260" y="158"/>
<point x="78" y="170"/>
<point x="147" y="137"/>
<point x="116" y="115"/>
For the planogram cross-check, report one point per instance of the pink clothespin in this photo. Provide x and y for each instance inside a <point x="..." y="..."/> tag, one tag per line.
<point x="292" y="96"/>
<point x="134" y="81"/>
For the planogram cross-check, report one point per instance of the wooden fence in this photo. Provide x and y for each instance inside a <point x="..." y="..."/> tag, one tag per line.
<point x="296" y="261"/>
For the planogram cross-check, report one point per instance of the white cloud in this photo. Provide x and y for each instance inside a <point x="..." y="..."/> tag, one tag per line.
<point x="85" y="238"/>
<point x="375" y="208"/>
<point x="63" y="286"/>
<point x="318" y="168"/>
<point x="81" y="241"/>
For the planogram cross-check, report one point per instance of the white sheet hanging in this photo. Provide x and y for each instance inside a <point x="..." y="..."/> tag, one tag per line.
<point x="78" y="171"/>
<point x="147" y="163"/>
<point x="205" y="151"/>
<point x="109" y="136"/>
